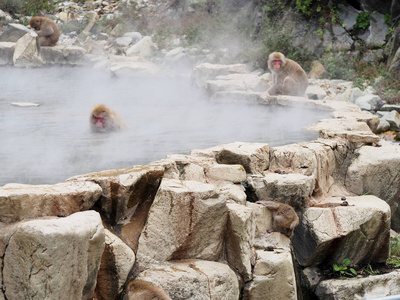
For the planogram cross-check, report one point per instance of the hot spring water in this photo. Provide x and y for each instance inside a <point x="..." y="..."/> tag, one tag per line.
<point x="51" y="142"/>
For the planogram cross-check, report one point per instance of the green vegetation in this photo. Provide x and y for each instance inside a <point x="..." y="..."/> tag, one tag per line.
<point x="363" y="20"/>
<point x="344" y="270"/>
<point x="394" y="257"/>
<point x="27" y="7"/>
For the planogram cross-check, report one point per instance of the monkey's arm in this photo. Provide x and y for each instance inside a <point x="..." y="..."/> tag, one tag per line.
<point x="269" y="204"/>
<point x="46" y="31"/>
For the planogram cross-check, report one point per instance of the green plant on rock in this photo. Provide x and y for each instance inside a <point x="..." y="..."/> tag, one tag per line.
<point x="394" y="254"/>
<point x="363" y="20"/>
<point x="344" y="270"/>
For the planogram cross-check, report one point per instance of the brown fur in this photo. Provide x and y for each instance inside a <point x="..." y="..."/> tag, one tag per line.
<point x="46" y="29"/>
<point x="289" y="79"/>
<point x="284" y="217"/>
<point x="142" y="290"/>
<point x="103" y="119"/>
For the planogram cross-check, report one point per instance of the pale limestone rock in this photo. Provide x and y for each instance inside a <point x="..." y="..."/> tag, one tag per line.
<point x="206" y="71"/>
<point x="360" y="116"/>
<point x="125" y="191"/>
<point x="359" y="231"/>
<point x="144" y="48"/>
<point x="6" y="53"/>
<point x="234" y="192"/>
<point x="293" y="189"/>
<point x="236" y="82"/>
<point x="23" y="201"/>
<point x="375" y="171"/>
<point x="13" y="32"/>
<point x="234" y="173"/>
<point x="254" y="157"/>
<point x="26" y="53"/>
<point x="240" y="239"/>
<point x="274" y="276"/>
<point x="61" y="257"/>
<point x="360" y="137"/>
<point x="315" y="92"/>
<point x="194" y="279"/>
<point x="187" y="220"/>
<point x="248" y="97"/>
<point x="116" y="263"/>
<point x="371" y="287"/>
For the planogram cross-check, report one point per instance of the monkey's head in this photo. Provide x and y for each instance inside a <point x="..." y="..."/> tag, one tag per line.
<point x="35" y="23"/>
<point x="276" y="61"/>
<point x="99" y="118"/>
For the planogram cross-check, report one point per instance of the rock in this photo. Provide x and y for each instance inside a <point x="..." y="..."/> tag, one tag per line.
<point x="390" y="107"/>
<point x="367" y="102"/>
<point x="236" y="82"/>
<point x="254" y="157"/>
<point x="371" y="287"/>
<point x="127" y="195"/>
<point x="206" y="71"/>
<point x="116" y="263"/>
<point x="248" y="97"/>
<point x="13" y="32"/>
<point x="349" y="95"/>
<point x="22" y="201"/>
<point x="234" y="192"/>
<point x="194" y="279"/>
<point x="25" y="104"/>
<point x="317" y="70"/>
<point x="393" y="118"/>
<point x="359" y="231"/>
<point x="273" y="276"/>
<point x="26" y="53"/>
<point x="378" y="30"/>
<point x="222" y="172"/>
<point x="240" y="239"/>
<point x="374" y="171"/>
<point x="61" y="257"/>
<point x="178" y="224"/>
<point x="6" y="53"/>
<point x="144" y="48"/>
<point x="315" y="92"/>
<point x="63" y="55"/>
<point x="383" y="126"/>
<point x="293" y="189"/>
<point x="124" y="41"/>
<point x="135" y="36"/>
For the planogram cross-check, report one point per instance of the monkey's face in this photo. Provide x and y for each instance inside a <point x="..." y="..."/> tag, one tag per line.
<point x="277" y="64"/>
<point x="99" y="121"/>
<point x="35" y="24"/>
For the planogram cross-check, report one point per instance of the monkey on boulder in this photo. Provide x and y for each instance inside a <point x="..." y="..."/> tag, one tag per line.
<point x="104" y="119"/>
<point x="288" y="76"/>
<point x="46" y="29"/>
<point x="284" y="217"/>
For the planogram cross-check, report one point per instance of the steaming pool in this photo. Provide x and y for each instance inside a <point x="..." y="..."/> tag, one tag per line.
<point x="52" y="142"/>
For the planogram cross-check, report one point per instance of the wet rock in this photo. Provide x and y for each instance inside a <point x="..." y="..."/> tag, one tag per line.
<point x="359" y="232"/>
<point x="240" y="239"/>
<point x="61" y="256"/>
<point x="23" y="201"/>
<point x="116" y="263"/>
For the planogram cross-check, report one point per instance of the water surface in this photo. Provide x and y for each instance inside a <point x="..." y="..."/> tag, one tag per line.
<point x="166" y="115"/>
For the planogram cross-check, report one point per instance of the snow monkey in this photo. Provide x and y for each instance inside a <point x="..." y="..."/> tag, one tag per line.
<point x="288" y="77"/>
<point x="103" y="118"/>
<point x="284" y="218"/>
<point x="142" y="290"/>
<point x="46" y="29"/>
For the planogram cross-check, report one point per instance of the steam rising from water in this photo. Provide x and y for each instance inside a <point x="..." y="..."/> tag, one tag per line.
<point x="49" y="143"/>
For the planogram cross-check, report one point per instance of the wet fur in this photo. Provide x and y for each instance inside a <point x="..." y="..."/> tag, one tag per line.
<point x="112" y="120"/>
<point x="46" y="29"/>
<point x="284" y="217"/>
<point x="290" y="79"/>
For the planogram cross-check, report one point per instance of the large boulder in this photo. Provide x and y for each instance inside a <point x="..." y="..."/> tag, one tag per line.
<point x="194" y="279"/>
<point x="178" y="224"/>
<point x="22" y="201"/>
<point x="51" y="258"/>
<point x="330" y="232"/>
<point x="13" y="32"/>
<point x="26" y="53"/>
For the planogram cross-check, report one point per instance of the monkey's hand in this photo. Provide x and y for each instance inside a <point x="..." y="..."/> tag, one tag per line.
<point x="45" y="32"/>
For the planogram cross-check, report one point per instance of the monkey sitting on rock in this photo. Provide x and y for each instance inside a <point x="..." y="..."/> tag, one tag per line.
<point x="46" y="29"/>
<point x="284" y="217"/>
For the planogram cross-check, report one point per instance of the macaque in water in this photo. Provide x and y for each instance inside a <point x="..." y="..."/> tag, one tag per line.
<point x="103" y="119"/>
<point x="288" y="77"/>
<point x="284" y="217"/>
<point x="142" y="290"/>
<point x="46" y="29"/>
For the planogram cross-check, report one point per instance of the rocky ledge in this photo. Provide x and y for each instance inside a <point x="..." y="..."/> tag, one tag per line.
<point x="188" y="223"/>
